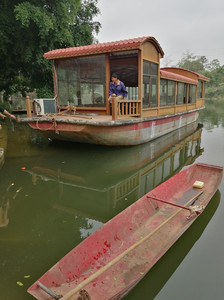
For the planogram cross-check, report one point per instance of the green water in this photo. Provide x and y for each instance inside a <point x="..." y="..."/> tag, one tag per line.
<point x="53" y="195"/>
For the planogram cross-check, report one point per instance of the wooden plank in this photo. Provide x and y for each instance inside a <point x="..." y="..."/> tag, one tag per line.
<point x="114" y="108"/>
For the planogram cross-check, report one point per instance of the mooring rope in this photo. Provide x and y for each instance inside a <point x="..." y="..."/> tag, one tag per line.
<point x="54" y="124"/>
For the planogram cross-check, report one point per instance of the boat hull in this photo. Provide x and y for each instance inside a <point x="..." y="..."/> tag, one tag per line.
<point x="119" y="133"/>
<point x="110" y="262"/>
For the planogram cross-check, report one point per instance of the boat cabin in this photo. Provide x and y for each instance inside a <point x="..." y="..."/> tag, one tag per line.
<point x="82" y="77"/>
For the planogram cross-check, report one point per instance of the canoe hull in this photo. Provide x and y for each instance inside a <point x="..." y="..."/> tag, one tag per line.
<point x="116" y="257"/>
<point x="122" y="133"/>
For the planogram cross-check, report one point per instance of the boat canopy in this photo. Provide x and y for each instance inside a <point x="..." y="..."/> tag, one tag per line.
<point x="174" y="76"/>
<point x="82" y="78"/>
<point x="123" y="45"/>
<point x="187" y="73"/>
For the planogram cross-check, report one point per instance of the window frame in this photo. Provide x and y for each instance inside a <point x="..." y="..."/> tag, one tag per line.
<point x="81" y="81"/>
<point x="150" y="75"/>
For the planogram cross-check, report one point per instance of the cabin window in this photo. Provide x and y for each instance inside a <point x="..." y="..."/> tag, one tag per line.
<point x="163" y="92"/>
<point x="192" y="94"/>
<point x="150" y="84"/>
<point x="81" y="81"/>
<point x="185" y="93"/>
<point x="200" y="89"/>
<point x="171" y="92"/>
<point x="181" y="90"/>
<point x="167" y="92"/>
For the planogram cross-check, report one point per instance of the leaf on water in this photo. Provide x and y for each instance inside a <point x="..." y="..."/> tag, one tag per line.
<point x="19" y="283"/>
<point x="19" y="190"/>
<point x="27" y="276"/>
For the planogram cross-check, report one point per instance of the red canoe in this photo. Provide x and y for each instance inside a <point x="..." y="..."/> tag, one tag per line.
<point x="110" y="262"/>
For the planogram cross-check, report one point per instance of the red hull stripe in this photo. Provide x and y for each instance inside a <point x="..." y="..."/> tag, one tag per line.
<point x="102" y="128"/>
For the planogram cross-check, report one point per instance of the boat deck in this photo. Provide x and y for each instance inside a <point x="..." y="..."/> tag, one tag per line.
<point x="96" y="119"/>
<point x="93" y="119"/>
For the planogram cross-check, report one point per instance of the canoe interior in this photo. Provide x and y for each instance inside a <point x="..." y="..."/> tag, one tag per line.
<point x="157" y="224"/>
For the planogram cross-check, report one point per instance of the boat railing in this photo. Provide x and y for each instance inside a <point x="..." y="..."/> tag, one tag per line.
<point x="125" y="108"/>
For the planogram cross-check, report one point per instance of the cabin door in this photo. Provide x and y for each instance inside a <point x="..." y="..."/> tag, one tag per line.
<point x="126" y="67"/>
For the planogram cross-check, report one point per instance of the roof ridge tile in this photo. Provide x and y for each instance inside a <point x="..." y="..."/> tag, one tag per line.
<point x="101" y="47"/>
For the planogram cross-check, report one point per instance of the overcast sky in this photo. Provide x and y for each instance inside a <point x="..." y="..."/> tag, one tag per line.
<point x="194" y="25"/>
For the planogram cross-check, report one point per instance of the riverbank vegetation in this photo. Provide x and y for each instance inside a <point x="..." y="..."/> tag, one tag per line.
<point x="211" y="69"/>
<point x="28" y="29"/>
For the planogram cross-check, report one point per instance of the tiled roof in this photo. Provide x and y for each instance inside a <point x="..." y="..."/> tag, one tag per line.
<point x="177" y="70"/>
<point x="129" y="44"/>
<point x="202" y="77"/>
<point x="178" y="77"/>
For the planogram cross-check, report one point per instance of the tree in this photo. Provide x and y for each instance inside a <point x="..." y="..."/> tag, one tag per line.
<point x="214" y="64"/>
<point x="28" y="29"/>
<point x="191" y="62"/>
<point x="212" y="69"/>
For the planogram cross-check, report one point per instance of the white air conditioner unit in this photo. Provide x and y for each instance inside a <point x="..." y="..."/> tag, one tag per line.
<point x="45" y="106"/>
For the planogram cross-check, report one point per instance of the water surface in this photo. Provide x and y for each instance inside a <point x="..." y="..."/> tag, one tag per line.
<point x="53" y="195"/>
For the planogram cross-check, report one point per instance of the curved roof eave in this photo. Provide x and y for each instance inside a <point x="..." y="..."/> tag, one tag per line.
<point x="155" y="43"/>
<point x="200" y="76"/>
<point x="130" y="44"/>
<point x="176" y="77"/>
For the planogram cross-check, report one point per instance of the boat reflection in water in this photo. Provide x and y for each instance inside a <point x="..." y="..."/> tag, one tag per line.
<point x="2" y="157"/>
<point x="113" y="179"/>
<point x="97" y="182"/>
<point x="4" y="204"/>
<point x="3" y="145"/>
<point x="107" y="180"/>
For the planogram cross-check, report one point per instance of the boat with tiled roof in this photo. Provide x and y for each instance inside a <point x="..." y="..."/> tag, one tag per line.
<point x="159" y="100"/>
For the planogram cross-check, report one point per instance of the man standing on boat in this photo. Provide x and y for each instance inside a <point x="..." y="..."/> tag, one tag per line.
<point x="117" y="88"/>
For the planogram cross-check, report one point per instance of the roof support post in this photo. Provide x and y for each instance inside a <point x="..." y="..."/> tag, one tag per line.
<point x="107" y="72"/>
<point x="140" y="79"/>
<point x="114" y="107"/>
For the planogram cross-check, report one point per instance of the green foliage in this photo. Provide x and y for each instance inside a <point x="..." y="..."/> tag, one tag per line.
<point x="213" y="70"/>
<point x="215" y="88"/>
<point x="191" y="62"/>
<point x="45" y="92"/>
<point x="214" y="64"/>
<point x="28" y="29"/>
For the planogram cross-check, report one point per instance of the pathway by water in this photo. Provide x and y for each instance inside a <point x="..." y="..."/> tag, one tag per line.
<point x="53" y="195"/>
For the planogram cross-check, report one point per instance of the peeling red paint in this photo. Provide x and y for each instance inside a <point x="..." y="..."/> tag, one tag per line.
<point x="116" y="238"/>
<point x="107" y="244"/>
